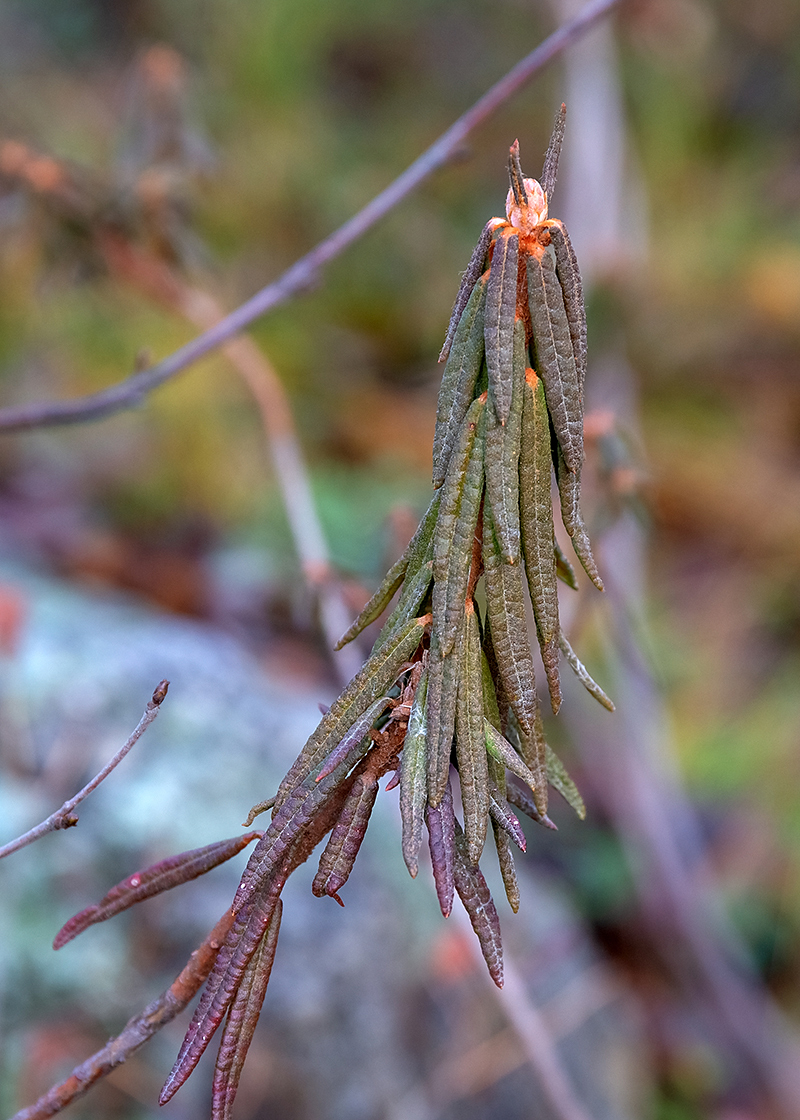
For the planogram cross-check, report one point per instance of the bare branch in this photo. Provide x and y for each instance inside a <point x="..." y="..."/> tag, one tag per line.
<point x="304" y="273"/>
<point x="137" y="1030"/>
<point x="65" y="817"/>
<point x="258" y="373"/>
<point x="539" y="1047"/>
<point x="166" y="287"/>
<point x="534" y="1037"/>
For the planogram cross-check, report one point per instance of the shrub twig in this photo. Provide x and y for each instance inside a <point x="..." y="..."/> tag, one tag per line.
<point x="304" y="273"/>
<point x="65" y="816"/>
<point x="136" y="1031"/>
<point x="533" y="1036"/>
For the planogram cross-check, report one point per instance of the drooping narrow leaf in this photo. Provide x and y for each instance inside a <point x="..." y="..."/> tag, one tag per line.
<point x="452" y="491"/>
<point x="581" y="672"/>
<point x="413" y="777"/>
<point x="242" y="1020"/>
<point x="374" y="679"/>
<point x="239" y="946"/>
<point x="443" y="675"/>
<point x="501" y="303"/>
<point x="441" y="823"/>
<point x="569" y="489"/>
<point x="360" y="728"/>
<point x="419" y="547"/>
<point x="509" y="629"/>
<point x="505" y="858"/>
<point x="559" y="779"/>
<point x="404" y="569"/>
<point x="336" y="861"/>
<point x="496" y="680"/>
<point x="500" y="748"/>
<point x="502" y="815"/>
<point x="519" y="796"/>
<point x="475" y="268"/>
<point x="474" y="893"/>
<point x="411" y="601"/>
<point x="498" y="806"/>
<point x="459" y="559"/>
<point x="377" y="603"/>
<point x="565" y="570"/>
<point x="555" y="360"/>
<point x="538" y="539"/>
<point x="153" y="880"/>
<point x="532" y="749"/>
<point x="459" y="379"/>
<point x="502" y="457"/>
<point x="473" y="771"/>
<point x="569" y="277"/>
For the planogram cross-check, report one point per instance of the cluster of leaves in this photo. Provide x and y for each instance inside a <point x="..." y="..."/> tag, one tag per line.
<point x="450" y="681"/>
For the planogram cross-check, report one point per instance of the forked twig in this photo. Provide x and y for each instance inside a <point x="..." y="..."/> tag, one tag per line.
<point x="303" y="273"/>
<point x="137" y="1030"/>
<point x="65" y="817"/>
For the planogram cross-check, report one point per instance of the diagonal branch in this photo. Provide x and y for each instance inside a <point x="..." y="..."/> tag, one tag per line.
<point x="166" y="287"/>
<point x="65" y="817"/>
<point x="304" y="273"/>
<point x="536" y="1042"/>
<point x="256" y="370"/>
<point x="136" y="1031"/>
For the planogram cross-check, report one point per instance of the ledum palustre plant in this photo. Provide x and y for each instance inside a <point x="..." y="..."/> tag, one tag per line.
<point x="449" y="687"/>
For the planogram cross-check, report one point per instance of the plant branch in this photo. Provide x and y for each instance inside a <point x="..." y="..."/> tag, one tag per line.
<point x="258" y="373"/>
<point x="166" y="287"/>
<point x="137" y="1030"/>
<point x="65" y="817"/>
<point x="535" y="1040"/>
<point x="304" y="273"/>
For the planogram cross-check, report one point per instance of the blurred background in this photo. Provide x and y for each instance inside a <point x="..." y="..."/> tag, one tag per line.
<point x="159" y="162"/>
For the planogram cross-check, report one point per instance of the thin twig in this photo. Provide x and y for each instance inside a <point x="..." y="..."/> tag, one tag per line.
<point x="538" y="1045"/>
<point x="304" y="273"/>
<point x="137" y="1030"/>
<point x="259" y="375"/>
<point x="65" y="817"/>
<point x="533" y="1035"/>
<point x="679" y="897"/>
<point x="161" y="283"/>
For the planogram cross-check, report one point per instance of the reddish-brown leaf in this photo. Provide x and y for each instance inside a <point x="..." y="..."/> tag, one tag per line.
<point x="233" y="958"/>
<point x="340" y="853"/>
<point x="153" y="880"/>
<point x="441" y="824"/>
<point x="474" y="893"/>
<point x="242" y="1020"/>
